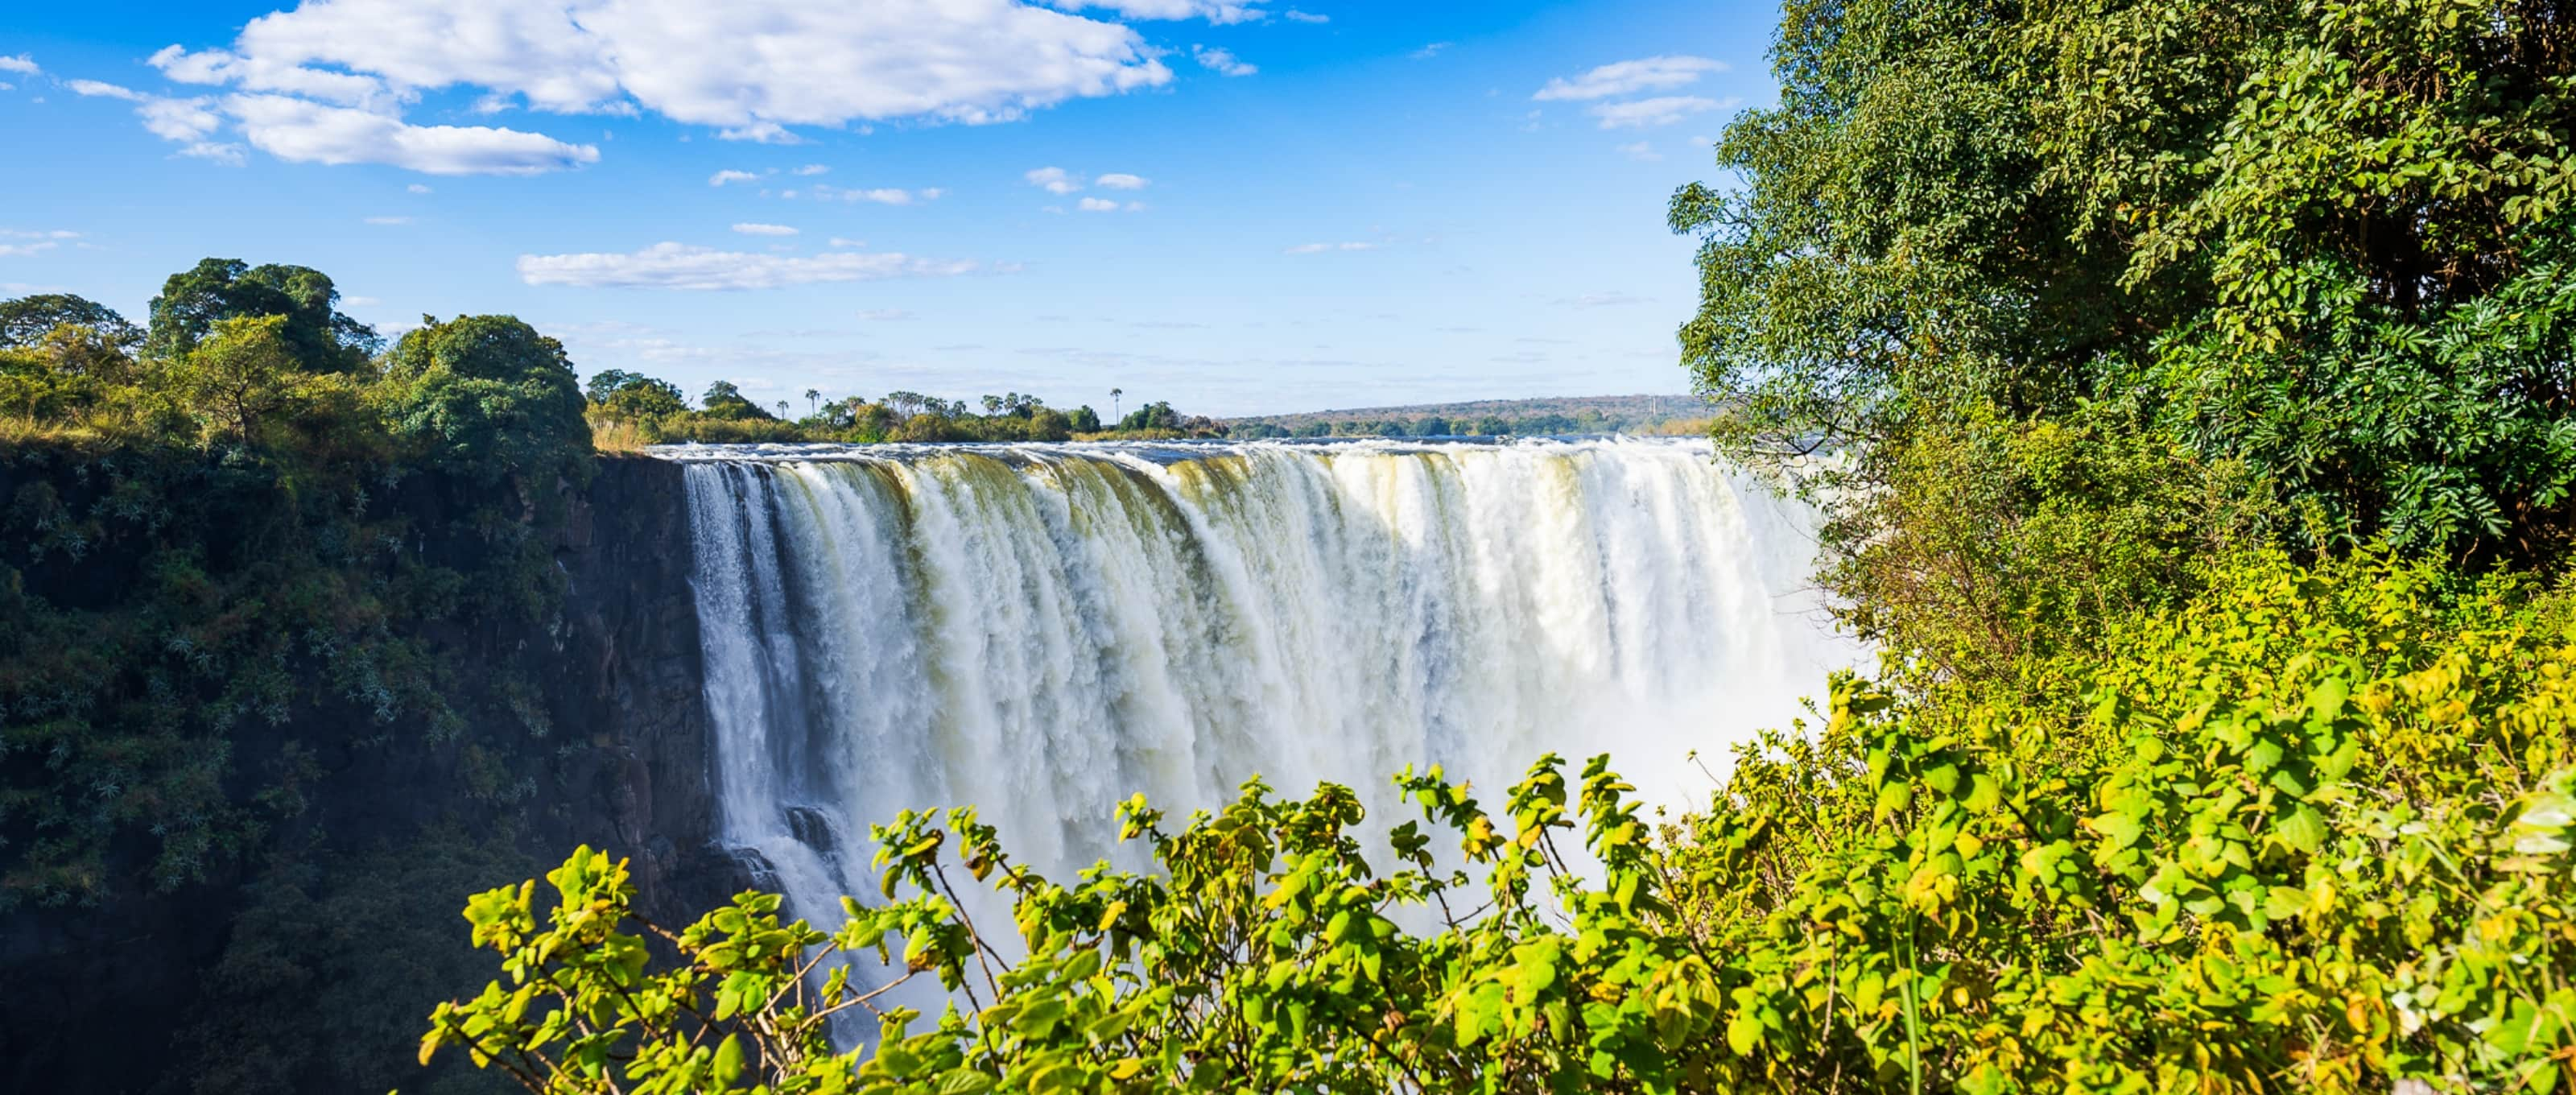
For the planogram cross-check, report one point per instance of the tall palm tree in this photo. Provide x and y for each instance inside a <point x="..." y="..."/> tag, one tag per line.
<point x="814" y="399"/>
<point x="1114" y="393"/>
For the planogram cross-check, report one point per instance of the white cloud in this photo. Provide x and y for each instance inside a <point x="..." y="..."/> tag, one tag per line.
<point x="681" y="266"/>
<point x="840" y="242"/>
<point x="389" y="220"/>
<point x="104" y="89"/>
<point x="1319" y="248"/>
<point x="1214" y="11"/>
<point x="22" y="250"/>
<point x="1222" y="62"/>
<point x="22" y="64"/>
<point x="1641" y="151"/>
<point x="731" y="176"/>
<point x="1120" y="181"/>
<point x="1296" y="16"/>
<point x="1054" y="179"/>
<point x="309" y="132"/>
<point x="186" y="122"/>
<point x="418" y="188"/>
<point x="1430" y="51"/>
<point x="750" y="229"/>
<point x="812" y="169"/>
<point x="882" y="195"/>
<point x="1096" y="205"/>
<point x="1627" y="77"/>
<point x="749" y="69"/>
<point x="1664" y="110"/>
<point x="21" y="234"/>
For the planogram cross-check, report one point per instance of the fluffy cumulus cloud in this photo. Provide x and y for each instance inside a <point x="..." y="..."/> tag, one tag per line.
<point x="749" y="69"/>
<point x="1055" y="180"/>
<point x="1296" y="16"/>
<point x="729" y="175"/>
<point x="189" y="123"/>
<point x="304" y="131"/>
<point x="1119" y="180"/>
<point x="1221" y="62"/>
<point x="681" y="266"/>
<point x="19" y="65"/>
<point x="1629" y="77"/>
<point x="749" y="229"/>
<point x="1096" y="205"/>
<point x="1661" y="110"/>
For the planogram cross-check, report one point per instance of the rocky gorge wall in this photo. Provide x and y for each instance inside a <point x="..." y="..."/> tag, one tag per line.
<point x="307" y="961"/>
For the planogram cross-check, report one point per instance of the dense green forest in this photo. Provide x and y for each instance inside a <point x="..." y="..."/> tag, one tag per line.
<point x="2193" y="386"/>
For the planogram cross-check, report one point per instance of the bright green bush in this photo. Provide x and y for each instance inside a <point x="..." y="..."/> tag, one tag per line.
<point x="2312" y="833"/>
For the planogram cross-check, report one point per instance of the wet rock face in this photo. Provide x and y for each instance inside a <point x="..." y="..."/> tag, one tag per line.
<point x="623" y="678"/>
<point x="98" y="997"/>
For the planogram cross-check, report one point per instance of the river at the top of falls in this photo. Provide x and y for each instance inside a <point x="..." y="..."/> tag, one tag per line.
<point x="1042" y="630"/>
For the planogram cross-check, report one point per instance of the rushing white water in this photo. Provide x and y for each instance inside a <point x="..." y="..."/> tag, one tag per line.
<point x="1043" y="630"/>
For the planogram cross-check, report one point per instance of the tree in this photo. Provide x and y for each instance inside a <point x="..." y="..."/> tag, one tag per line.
<point x="723" y="400"/>
<point x="1157" y="415"/>
<point x="491" y="398"/>
<point x="1114" y="396"/>
<point x="240" y="375"/>
<point x="1084" y="420"/>
<point x="2301" y="246"/>
<point x="25" y="321"/>
<point x="814" y="401"/>
<point x="319" y="336"/>
<point x="629" y="395"/>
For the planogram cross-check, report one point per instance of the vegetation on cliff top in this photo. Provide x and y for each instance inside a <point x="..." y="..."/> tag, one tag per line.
<point x="2206" y="374"/>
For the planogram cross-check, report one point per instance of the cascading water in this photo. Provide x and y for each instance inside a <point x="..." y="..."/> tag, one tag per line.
<point x="1043" y="630"/>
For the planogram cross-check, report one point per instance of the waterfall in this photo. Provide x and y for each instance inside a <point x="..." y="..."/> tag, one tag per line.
<point x="1043" y="630"/>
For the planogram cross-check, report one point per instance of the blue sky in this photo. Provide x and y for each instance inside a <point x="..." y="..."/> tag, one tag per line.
<point x="1242" y="208"/>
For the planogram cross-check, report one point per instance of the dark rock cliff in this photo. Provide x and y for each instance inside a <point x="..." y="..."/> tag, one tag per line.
<point x="253" y="978"/>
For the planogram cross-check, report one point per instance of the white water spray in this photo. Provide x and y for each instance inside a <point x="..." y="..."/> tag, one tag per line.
<point x="1043" y="630"/>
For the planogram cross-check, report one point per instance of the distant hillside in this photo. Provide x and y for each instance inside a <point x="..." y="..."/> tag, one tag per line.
<point x="1564" y="414"/>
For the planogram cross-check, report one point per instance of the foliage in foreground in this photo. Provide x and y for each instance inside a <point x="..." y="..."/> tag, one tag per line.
<point x="2314" y="833"/>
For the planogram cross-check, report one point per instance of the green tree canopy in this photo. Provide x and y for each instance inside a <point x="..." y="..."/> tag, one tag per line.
<point x="632" y="395"/>
<point x="25" y="321"/>
<point x="491" y="396"/>
<point x="316" y="332"/>
<point x="723" y="400"/>
<point x="2215" y="214"/>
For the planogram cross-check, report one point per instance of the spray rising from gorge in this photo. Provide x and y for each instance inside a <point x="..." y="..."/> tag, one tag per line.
<point x="1043" y="630"/>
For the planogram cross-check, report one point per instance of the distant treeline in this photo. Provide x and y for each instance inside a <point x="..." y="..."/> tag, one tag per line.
<point x="1492" y="418"/>
<point x="628" y="410"/>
